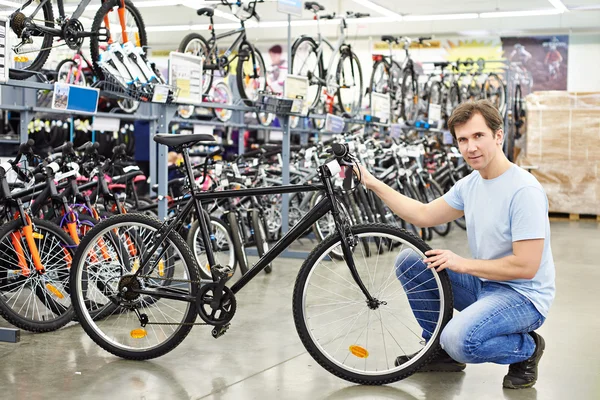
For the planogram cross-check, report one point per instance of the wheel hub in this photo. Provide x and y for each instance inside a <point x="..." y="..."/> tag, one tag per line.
<point x="127" y="286"/>
<point x="374" y="303"/>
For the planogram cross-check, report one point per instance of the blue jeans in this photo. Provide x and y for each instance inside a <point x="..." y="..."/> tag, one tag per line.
<point x="494" y="318"/>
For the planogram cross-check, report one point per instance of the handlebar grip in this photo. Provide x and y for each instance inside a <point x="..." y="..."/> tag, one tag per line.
<point x="339" y="150"/>
<point x="348" y="173"/>
<point x="424" y="38"/>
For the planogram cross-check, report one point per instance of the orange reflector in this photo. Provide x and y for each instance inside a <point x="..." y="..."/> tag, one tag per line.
<point x="54" y="291"/>
<point x="138" y="333"/>
<point x="358" y="351"/>
<point x="161" y="268"/>
<point x="208" y="266"/>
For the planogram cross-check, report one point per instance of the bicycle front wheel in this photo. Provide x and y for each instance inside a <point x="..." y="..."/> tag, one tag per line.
<point x="136" y="326"/>
<point x="368" y="343"/>
<point x="251" y="78"/>
<point x="37" y="301"/>
<point x="350" y="81"/>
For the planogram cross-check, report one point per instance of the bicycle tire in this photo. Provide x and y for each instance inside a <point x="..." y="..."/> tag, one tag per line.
<point x="304" y="331"/>
<point x="38" y="62"/>
<point x="320" y="68"/>
<point x="208" y="77"/>
<point x="89" y="324"/>
<point x="14" y="317"/>
<point x="253" y="56"/>
<point x="262" y="246"/>
<point x="238" y="243"/>
<point x="104" y="9"/>
<point x="192" y="242"/>
<point x="410" y="115"/>
<point x="386" y="78"/>
<point x="356" y="105"/>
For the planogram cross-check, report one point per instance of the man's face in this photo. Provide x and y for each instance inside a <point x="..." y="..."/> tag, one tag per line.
<point x="477" y="143"/>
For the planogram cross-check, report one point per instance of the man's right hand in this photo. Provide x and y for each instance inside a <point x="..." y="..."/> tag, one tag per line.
<point x="366" y="178"/>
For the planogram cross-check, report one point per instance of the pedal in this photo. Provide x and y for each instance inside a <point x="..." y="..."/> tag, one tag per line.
<point x="223" y="271"/>
<point x="103" y="34"/>
<point x="219" y="331"/>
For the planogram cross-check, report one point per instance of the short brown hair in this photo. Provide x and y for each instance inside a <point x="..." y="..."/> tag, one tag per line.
<point x="465" y="111"/>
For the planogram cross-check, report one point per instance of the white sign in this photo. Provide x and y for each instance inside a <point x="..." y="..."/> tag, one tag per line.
<point x="334" y="124"/>
<point x="296" y="88"/>
<point x="185" y="73"/>
<point x="381" y="106"/>
<point x="5" y="51"/>
<point x="103" y="124"/>
<point x="203" y="129"/>
<point x="435" y="113"/>
<point x="293" y="7"/>
<point x="161" y="94"/>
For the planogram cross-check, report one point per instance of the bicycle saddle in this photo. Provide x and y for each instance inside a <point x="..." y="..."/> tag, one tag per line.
<point x="206" y="11"/>
<point x="442" y="64"/>
<point x="388" y="38"/>
<point x="314" y="6"/>
<point x="184" y="140"/>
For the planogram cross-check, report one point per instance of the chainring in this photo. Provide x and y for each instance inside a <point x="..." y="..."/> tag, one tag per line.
<point x="212" y="313"/>
<point x="70" y="30"/>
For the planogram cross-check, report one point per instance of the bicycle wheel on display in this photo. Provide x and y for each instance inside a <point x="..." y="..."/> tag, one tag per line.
<point x="251" y="74"/>
<point x="380" y="81"/>
<point x="222" y="245"/>
<point x="108" y="17"/>
<point x="67" y="71"/>
<point x="36" y="301"/>
<point x="32" y="56"/>
<point x="196" y="45"/>
<point x="260" y="237"/>
<point x="410" y="98"/>
<point x="350" y="81"/>
<point x="494" y="91"/>
<point x="139" y="327"/>
<point x="222" y="94"/>
<point x="435" y="95"/>
<point x="305" y="62"/>
<point x="367" y="343"/>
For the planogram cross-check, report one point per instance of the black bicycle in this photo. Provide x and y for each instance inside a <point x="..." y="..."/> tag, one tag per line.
<point x="250" y="71"/>
<point x="34" y="27"/>
<point x="353" y="315"/>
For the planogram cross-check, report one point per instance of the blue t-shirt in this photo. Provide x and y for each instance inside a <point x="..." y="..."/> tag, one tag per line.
<point x="503" y="210"/>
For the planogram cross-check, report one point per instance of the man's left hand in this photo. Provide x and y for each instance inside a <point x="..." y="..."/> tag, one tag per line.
<point x="442" y="259"/>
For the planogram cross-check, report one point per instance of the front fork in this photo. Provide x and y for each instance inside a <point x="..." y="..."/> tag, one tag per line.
<point x="349" y="241"/>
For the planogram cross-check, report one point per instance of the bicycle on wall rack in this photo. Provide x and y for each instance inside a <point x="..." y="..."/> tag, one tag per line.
<point x="32" y="29"/>
<point x="348" y="312"/>
<point x="346" y="82"/>
<point x="250" y="72"/>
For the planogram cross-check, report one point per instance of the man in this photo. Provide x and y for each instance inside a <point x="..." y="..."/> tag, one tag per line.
<point x="519" y="54"/>
<point x="504" y="292"/>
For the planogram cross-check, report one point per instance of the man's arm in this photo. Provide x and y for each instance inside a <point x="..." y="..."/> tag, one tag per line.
<point x="423" y="215"/>
<point x="522" y="264"/>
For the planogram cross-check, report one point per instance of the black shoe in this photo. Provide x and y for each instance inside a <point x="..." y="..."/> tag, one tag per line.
<point x="524" y="374"/>
<point x="442" y="362"/>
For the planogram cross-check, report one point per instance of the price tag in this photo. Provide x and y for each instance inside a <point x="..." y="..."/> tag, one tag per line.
<point x="236" y="171"/>
<point x="248" y="182"/>
<point x="161" y="94"/>
<point x="381" y="106"/>
<point x="255" y="162"/>
<point x="224" y="182"/>
<point x="435" y="113"/>
<point x="218" y="169"/>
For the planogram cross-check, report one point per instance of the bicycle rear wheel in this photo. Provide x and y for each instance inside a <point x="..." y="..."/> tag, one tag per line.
<point x="35" y="301"/>
<point x="306" y="62"/>
<point x="139" y="326"/>
<point x="358" y="342"/>
<point x="35" y="53"/>
<point x="196" y="45"/>
<point x="350" y="80"/>
<point x="251" y="74"/>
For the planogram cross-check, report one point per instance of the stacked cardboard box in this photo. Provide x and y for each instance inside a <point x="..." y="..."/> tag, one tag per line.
<point x="563" y="139"/>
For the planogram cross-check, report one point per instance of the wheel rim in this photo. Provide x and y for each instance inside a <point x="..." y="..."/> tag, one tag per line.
<point x="305" y="61"/>
<point x="224" y="251"/>
<point x="118" y="328"/>
<point x="253" y="80"/>
<point x="350" y="85"/>
<point x="385" y="321"/>
<point x="37" y="297"/>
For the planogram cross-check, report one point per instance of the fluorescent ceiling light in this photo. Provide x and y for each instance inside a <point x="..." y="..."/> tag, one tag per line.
<point x="440" y="17"/>
<point x="10" y="4"/>
<point x="531" y="13"/>
<point x="377" y="8"/>
<point x="158" y="3"/>
<point x="559" y="5"/>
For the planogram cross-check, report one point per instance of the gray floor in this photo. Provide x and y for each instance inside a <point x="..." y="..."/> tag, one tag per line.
<point x="261" y="356"/>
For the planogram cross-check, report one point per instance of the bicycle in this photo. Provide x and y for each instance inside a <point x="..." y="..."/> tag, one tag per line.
<point x="30" y="36"/>
<point x="250" y="70"/>
<point x="346" y="82"/>
<point x="143" y="331"/>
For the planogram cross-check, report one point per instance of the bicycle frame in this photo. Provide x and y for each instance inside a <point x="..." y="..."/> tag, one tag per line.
<point x="327" y="204"/>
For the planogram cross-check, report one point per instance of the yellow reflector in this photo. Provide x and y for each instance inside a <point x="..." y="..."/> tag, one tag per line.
<point x="37" y="235"/>
<point x="136" y="265"/>
<point x="359" y="352"/>
<point x="138" y="333"/>
<point x="54" y="291"/>
<point x="161" y="268"/>
<point x="207" y="266"/>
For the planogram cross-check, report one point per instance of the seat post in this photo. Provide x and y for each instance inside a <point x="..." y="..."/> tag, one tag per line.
<point x="188" y="168"/>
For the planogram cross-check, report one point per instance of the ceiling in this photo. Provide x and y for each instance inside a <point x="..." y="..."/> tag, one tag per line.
<point x="168" y="21"/>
